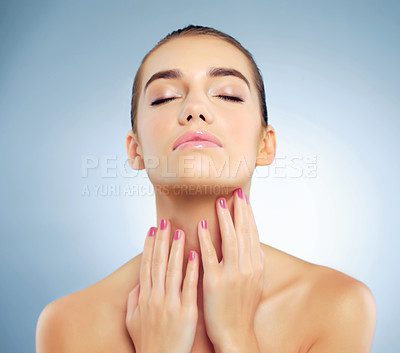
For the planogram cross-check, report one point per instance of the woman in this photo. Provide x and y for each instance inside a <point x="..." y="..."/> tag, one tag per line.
<point x="204" y="282"/>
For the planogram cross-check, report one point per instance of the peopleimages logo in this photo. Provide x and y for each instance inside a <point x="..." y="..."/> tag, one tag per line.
<point x="284" y="166"/>
<point x="112" y="175"/>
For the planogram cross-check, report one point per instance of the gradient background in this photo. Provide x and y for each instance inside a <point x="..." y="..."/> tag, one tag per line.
<point x="332" y="83"/>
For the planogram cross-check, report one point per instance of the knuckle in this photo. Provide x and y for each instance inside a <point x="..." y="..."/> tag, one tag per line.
<point x="232" y="280"/>
<point x="212" y="283"/>
<point x="188" y="282"/>
<point x="172" y="271"/>
<point x="209" y="257"/>
<point x="157" y="262"/>
<point x="209" y="253"/>
<point x="172" y="309"/>
<point x="155" y="303"/>
<point x="146" y="261"/>
<point x="246" y="272"/>
<point x="242" y="228"/>
<point x="142" y="302"/>
<point x="246" y="235"/>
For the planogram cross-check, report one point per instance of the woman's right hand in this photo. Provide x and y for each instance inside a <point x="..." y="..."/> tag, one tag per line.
<point x="159" y="317"/>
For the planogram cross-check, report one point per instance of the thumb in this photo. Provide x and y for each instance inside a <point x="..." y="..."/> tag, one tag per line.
<point x="133" y="299"/>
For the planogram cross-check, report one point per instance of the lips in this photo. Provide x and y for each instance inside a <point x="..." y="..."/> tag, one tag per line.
<point x="198" y="136"/>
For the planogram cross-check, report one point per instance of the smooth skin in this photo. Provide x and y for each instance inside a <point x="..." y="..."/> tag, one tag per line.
<point x="156" y="308"/>
<point x="233" y="287"/>
<point x="303" y="307"/>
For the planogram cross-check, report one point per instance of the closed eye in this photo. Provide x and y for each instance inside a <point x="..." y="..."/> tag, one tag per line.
<point x="230" y="98"/>
<point x="161" y="101"/>
<point x="227" y="98"/>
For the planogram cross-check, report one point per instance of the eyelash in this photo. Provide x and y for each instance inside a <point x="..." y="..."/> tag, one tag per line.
<point x="227" y="98"/>
<point x="230" y="98"/>
<point x="161" y="101"/>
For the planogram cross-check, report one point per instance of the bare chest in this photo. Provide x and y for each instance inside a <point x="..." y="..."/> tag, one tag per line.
<point x="283" y="322"/>
<point x="278" y="330"/>
<point x="282" y="325"/>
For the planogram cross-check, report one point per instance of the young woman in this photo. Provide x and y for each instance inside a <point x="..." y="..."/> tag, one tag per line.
<point x="204" y="281"/>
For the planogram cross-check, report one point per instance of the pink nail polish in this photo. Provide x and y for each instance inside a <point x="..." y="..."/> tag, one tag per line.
<point x="247" y="199"/>
<point x="163" y="224"/>
<point x="222" y="203"/>
<point x="240" y="193"/>
<point x="204" y="224"/>
<point x="177" y="234"/>
<point x="152" y="231"/>
<point x="192" y="256"/>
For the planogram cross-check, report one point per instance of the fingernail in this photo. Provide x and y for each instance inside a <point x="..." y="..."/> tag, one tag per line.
<point x="192" y="255"/>
<point x="240" y="193"/>
<point x="177" y="234"/>
<point x="222" y="203"/>
<point x="152" y="231"/>
<point x="204" y="224"/>
<point x="247" y="199"/>
<point x="163" y="224"/>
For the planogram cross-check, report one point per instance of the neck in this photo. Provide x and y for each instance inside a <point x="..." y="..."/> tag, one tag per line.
<point x="185" y="211"/>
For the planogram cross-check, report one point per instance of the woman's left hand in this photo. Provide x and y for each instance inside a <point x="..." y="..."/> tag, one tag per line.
<point x="232" y="288"/>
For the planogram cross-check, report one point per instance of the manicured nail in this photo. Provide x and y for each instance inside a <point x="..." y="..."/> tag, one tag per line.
<point x="222" y="203"/>
<point x="152" y="231"/>
<point x="163" y="224"/>
<point x="240" y="193"/>
<point x="204" y="224"/>
<point x="192" y="255"/>
<point x="247" y="199"/>
<point x="177" y="234"/>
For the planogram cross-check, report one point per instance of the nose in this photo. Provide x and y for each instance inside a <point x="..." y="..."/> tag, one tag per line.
<point x="195" y="107"/>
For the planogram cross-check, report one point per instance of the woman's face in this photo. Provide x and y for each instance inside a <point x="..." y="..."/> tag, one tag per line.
<point x="193" y="98"/>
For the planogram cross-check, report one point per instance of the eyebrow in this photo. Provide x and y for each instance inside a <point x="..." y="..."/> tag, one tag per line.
<point x="213" y="72"/>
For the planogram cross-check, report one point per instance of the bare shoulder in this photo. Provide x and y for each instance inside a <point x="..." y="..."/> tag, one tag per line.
<point x="325" y="283"/>
<point x="92" y="319"/>
<point x="335" y="311"/>
<point x="346" y="310"/>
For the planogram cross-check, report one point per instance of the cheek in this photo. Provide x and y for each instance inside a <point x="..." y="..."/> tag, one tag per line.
<point x="243" y="133"/>
<point x="155" y="132"/>
<point x="243" y="127"/>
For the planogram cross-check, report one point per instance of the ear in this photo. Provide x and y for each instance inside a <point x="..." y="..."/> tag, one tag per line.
<point x="135" y="153"/>
<point x="267" y="147"/>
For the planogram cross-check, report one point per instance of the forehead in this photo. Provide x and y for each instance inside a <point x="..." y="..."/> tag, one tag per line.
<point x="194" y="55"/>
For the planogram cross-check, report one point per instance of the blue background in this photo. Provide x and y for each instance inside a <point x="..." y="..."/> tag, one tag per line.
<point x="332" y="83"/>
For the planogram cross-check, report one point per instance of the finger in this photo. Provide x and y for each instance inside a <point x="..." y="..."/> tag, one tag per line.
<point x="133" y="299"/>
<point x="228" y="236"/>
<point x="242" y="231"/>
<point x="145" y="266"/>
<point x="160" y="258"/>
<point x="189" y="288"/>
<point x="255" y="240"/>
<point x="174" y="272"/>
<point x="208" y="254"/>
<point x="262" y="256"/>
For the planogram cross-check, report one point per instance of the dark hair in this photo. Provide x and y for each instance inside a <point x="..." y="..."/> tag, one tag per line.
<point x="192" y="30"/>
